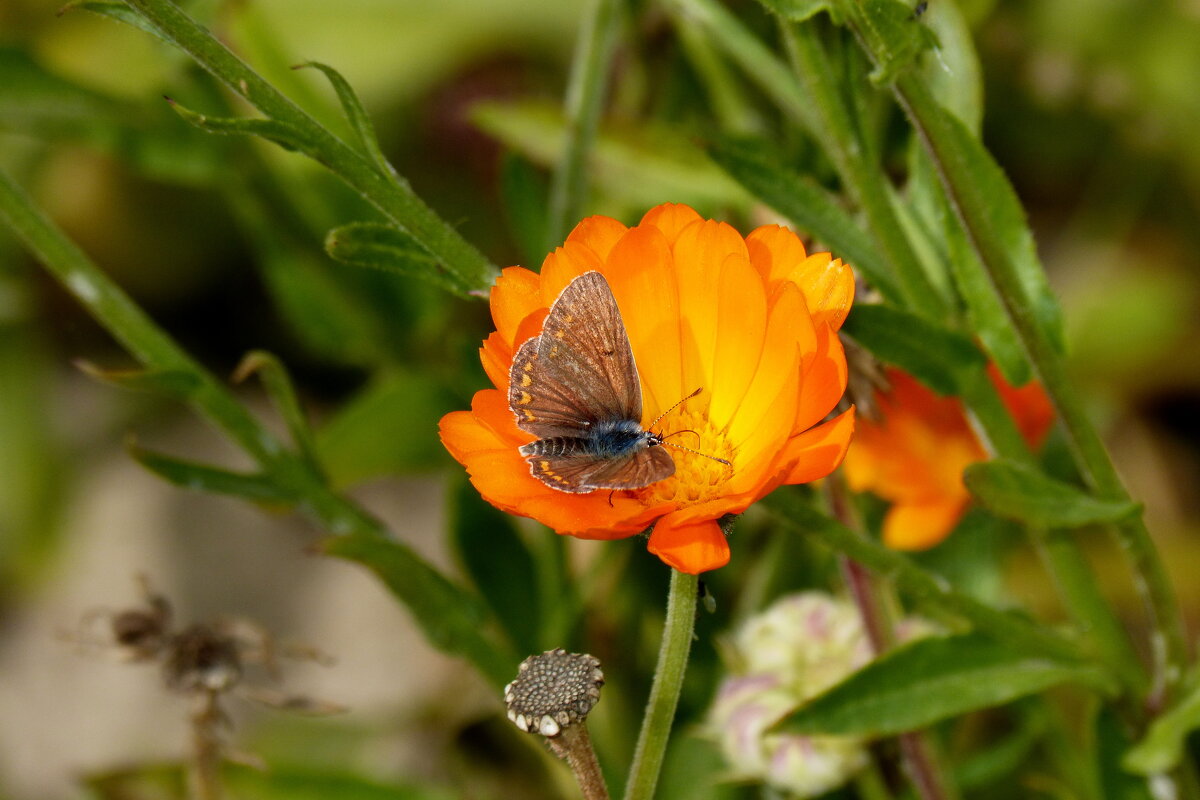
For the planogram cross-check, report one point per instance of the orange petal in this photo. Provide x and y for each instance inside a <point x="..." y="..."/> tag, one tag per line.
<point x="496" y="355"/>
<point x="463" y="435"/>
<point x="700" y="253"/>
<point x="598" y="234"/>
<point x="775" y="252"/>
<point x="920" y="526"/>
<point x="641" y="273"/>
<point x="670" y="218"/>
<point x="691" y="547"/>
<point x="515" y="296"/>
<point x="825" y="376"/>
<point x="828" y="287"/>
<point x="565" y="265"/>
<point x="819" y="451"/>
<point x="741" y="318"/>
<point x="778" y="364"/>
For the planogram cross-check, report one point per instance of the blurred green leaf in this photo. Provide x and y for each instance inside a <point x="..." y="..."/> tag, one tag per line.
<point x="117" y="11"/>
<point x="931" y="680"/>
<point x="935" y="355"/>
<point x="283" y="394"/>
<point x="499" y="564"/>
<point x="805" y="203"/>
<point x="379" y="246"/>
<point x="1002" y="759"/>
<point x="636" y="165"/>
<point x="797" y="10"/>
<point x="200" y="477"/>
<point x="1021" y="492"/>
<point x="360" y="123"/>
<point x="525" y="194"/>
<point x="953" y="69"/>
<point x="451" y="618"/>
<point x="1112" y="779"/>
<point x="389" y="427"/>
<point x="172" y="383"/>
<point x="1161" y="749"/>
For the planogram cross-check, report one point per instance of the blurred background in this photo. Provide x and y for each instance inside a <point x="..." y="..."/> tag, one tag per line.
<point x="1091" y="108"/>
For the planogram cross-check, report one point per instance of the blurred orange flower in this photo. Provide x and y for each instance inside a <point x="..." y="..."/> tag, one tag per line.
<point x="914" y="456"/>
<point x="752" y="321"/>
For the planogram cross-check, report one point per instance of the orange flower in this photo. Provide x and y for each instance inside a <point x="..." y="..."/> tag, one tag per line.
<point x="752" y="322"/>
<point x="915" y="456"/>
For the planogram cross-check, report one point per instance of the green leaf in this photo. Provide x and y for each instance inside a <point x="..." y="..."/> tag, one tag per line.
<point x="895" y="35"/>
<point x="292" y="783"/>
<point x="1003" y="217"/>
<point x="499" y="563"/>
<point x="357" y="115"/>
<point x="806" y="205"/>
<point x="931" y="680"/>
<point x="936" y="356"/>
<point x="118" y="11"/>
<point x="984" y="310"/>
<point x="279" y="387"/>
<point x="451" y="618"/>
<point x="954" y="73"/>
<point x="1023" y="493"/>
<point x="389" y="427"/>
<point x="378" y="246"/>
<point x="175" y="383"/>
<point x="525" y="195"/>
<point x="638" y="166"/>
<point x="797" y="10"/>
<point x="201" y="477"/>
<point x="286" y="136"/>
<point x="1162" y="748"/>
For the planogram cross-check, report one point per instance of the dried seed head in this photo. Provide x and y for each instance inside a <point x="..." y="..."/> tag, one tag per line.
<point x="553" y="690"/>
<point x="202" y="658"/>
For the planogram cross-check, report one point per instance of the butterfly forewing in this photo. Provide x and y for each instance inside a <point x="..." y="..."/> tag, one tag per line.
<point x="580" y="369"/>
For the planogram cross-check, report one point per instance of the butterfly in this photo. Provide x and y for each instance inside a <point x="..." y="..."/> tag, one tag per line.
<point x="575" y="386"/>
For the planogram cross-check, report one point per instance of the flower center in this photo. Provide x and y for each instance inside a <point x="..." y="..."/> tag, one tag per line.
<point x="691" y="440"/>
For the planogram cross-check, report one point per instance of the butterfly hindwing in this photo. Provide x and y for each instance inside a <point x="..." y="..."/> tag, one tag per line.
<point x="578" y="475"/>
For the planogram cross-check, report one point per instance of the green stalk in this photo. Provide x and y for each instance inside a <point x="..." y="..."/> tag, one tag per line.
<point x="664" y="694"/>
<point x="389" y="193"/>
<point x="585" y="98"/>
<point x="813" y="102"/>
<point x="1168" y="647"/>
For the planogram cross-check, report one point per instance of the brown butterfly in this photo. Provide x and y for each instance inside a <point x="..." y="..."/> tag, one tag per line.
<point x="575" y="386"/>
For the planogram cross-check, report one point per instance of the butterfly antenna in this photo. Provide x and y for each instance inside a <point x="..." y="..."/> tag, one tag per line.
<point x="697" y="453"/>
<point x="654" y="424"/>
<point x="688" y="430"/>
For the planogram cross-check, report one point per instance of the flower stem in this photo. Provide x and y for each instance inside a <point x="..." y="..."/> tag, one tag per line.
<point x="664" y="694"/>
<point x="574" y="746"/>
<point x="1168" y="647"/>
<point x="389" y="193"/>
<point x="585" y="97"/>
<point x="874" y="598"/>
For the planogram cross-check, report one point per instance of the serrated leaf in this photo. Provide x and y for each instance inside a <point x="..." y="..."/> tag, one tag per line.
<point x="499" y="563"/>
<point x="357" y="116"/>
<point x="1163" y="746"/>
<point x="281" y="133"/>
<point x="806" y="204"/>
<point x="451" y="618"/>
<point x="935" y="355"/>
<point x="279" y="387"/>
<point x="378" y="246"/>
<point x="178" y="384"/>
<point x="931" y="680"/>
<point x="1023" y="493"/>
<point x="257" y="488"/>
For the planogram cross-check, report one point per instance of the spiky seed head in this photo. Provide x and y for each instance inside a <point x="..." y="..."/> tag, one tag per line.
<point x="553" y="690"/>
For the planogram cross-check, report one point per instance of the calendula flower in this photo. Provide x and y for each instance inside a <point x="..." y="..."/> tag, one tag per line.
<point x="914" y="456"/>
<point x="779" y="659"/>
<point x="751" y="322"/>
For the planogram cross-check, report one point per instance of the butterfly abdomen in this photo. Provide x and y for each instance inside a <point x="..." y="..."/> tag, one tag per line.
<point x="605" y="440"/>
